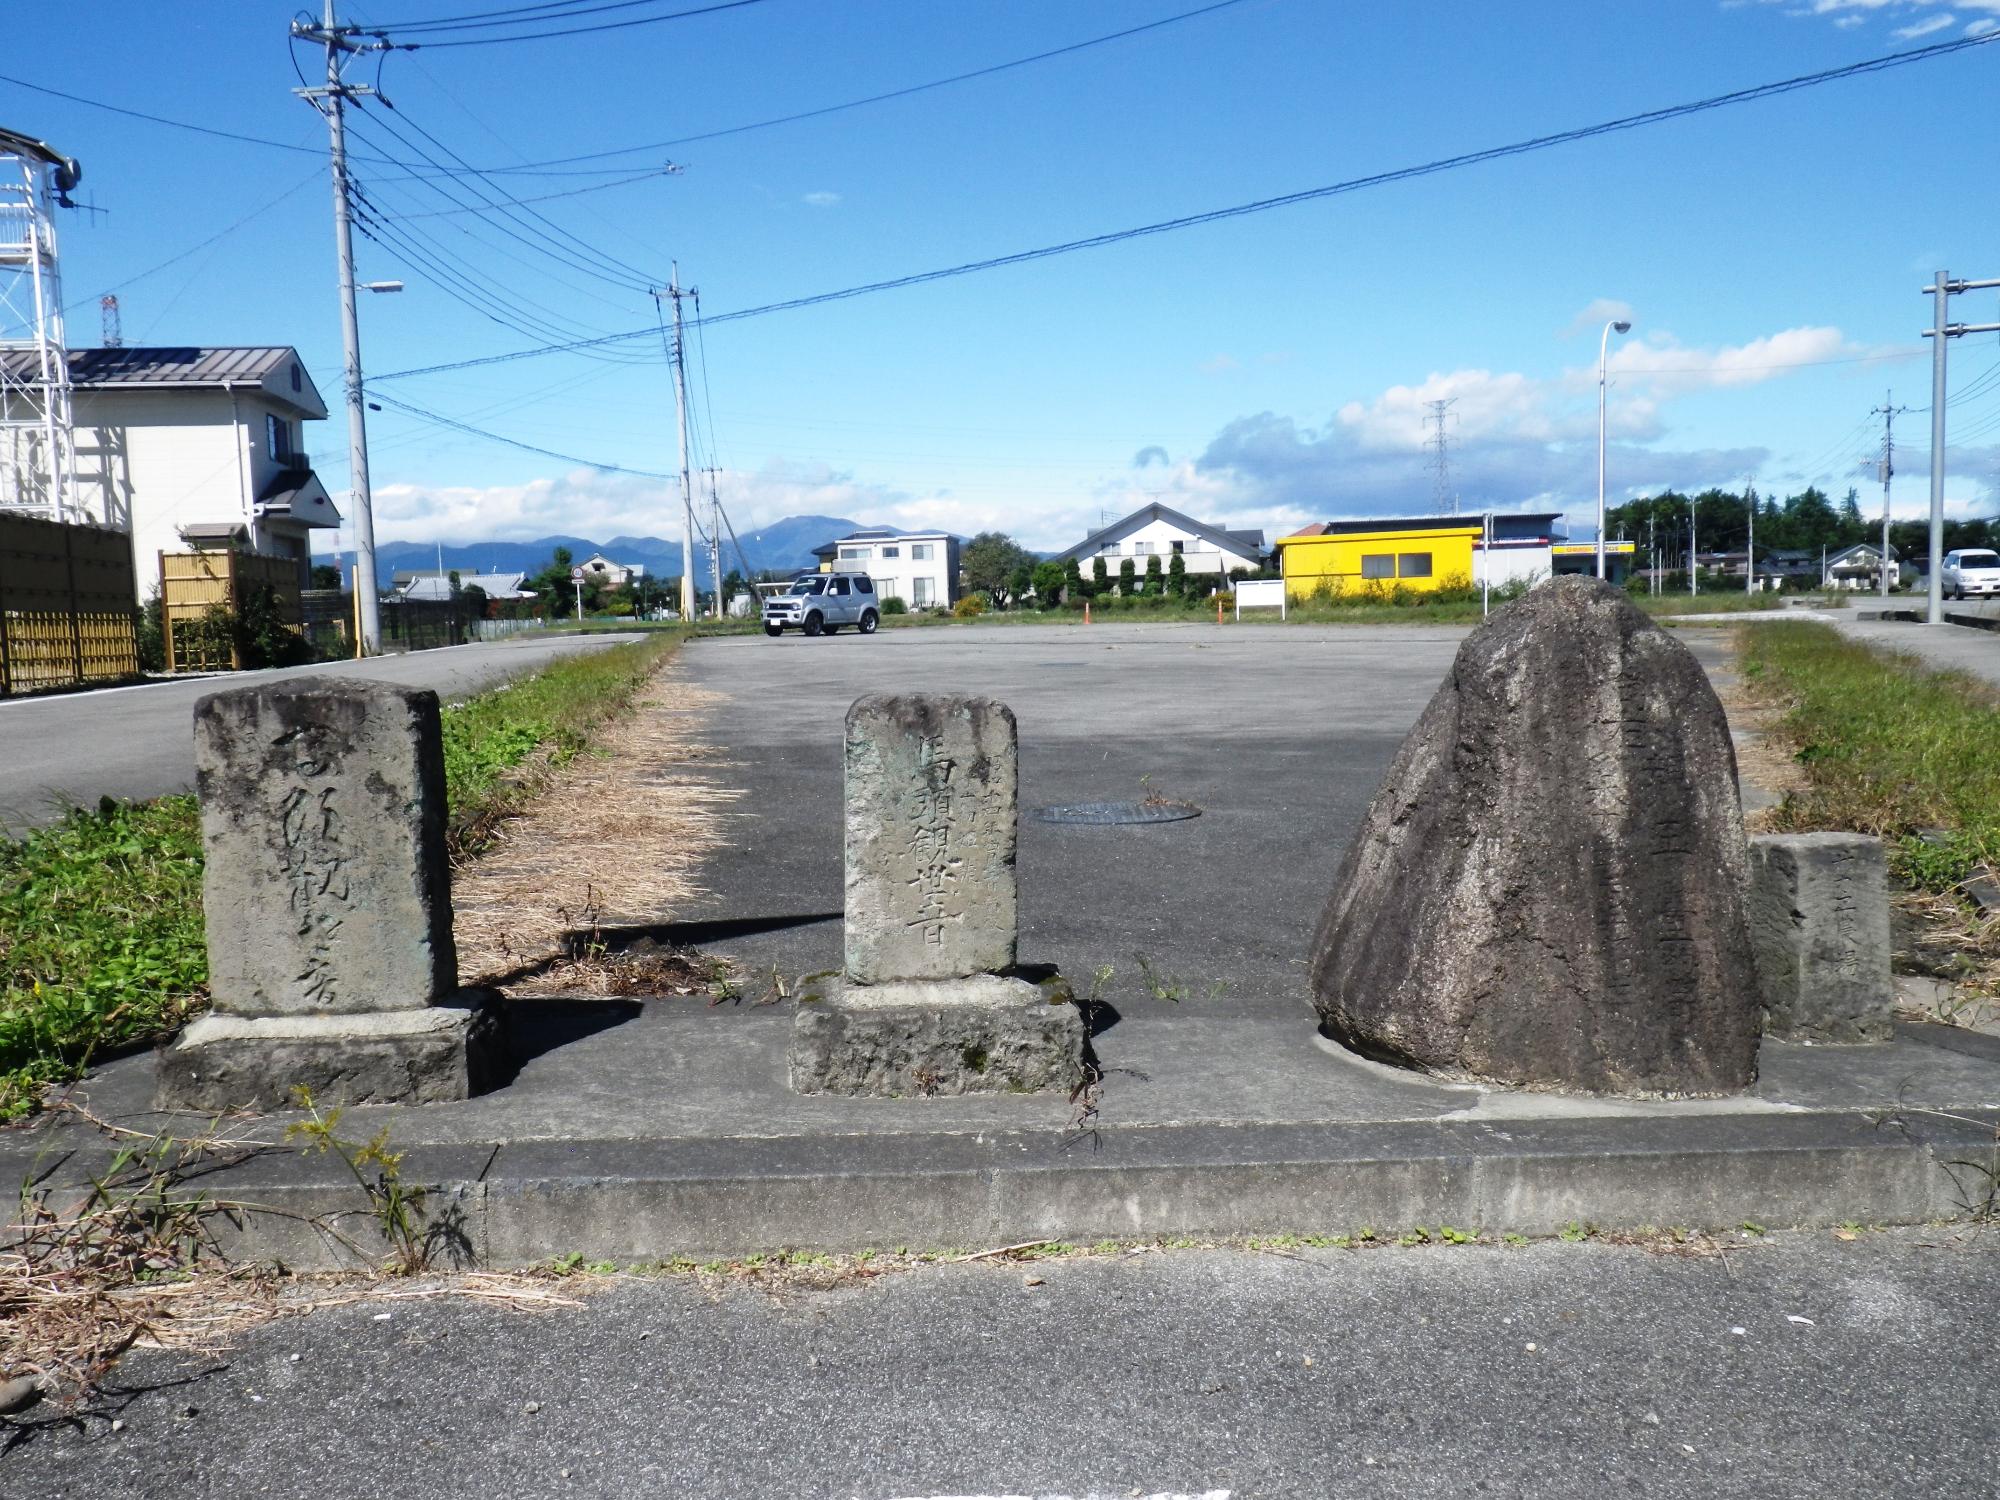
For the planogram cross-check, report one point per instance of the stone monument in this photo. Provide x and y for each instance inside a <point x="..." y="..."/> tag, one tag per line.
<point x="327" y="895"/>
<point x="1819" y="918"/>
<point x="927" y="1002"/>
<point x="1548" y="888"/>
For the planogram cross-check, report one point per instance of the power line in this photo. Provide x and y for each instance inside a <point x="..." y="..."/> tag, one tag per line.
<point x="537" y="36"/>
<point x="564" y="10"/>
<point x="438" y="419"/>
<point x="596" y="187"/>
<point x="902" y="93"/>
<point x="259" y="140"/>
<point x="1287" y="200"/>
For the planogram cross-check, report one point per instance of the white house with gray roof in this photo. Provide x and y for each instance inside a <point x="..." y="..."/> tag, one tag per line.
<point x="1160" y="531"/>
<point x="189" y="448"/>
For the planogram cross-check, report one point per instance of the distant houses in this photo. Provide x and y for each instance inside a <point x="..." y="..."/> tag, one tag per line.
<point x="431" y="584"/>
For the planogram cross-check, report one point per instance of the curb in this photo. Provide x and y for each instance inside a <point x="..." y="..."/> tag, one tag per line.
<point x="636" y="1201"/>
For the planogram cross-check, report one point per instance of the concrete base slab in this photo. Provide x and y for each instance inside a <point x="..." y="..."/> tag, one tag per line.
<point x="426" y="1055"/>
<point x="984" y="1034"/>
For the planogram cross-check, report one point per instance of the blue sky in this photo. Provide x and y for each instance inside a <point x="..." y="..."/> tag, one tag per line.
<point x="1264" y="371"/>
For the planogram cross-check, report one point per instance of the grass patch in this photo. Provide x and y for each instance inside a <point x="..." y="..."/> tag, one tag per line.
<point x="1888" y="747"/>
<point x="101" y="938"/>
<point x="489" y="740"/>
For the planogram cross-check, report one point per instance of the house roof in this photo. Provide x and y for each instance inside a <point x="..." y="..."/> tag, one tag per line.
<point x="183" y="368"/>
<point x="1243" y="543"/>
<point x="432" y="585"/>
<point x="1387" y="523"/>
<point x="298" y="493"/>
<point x="1873" y="549"/>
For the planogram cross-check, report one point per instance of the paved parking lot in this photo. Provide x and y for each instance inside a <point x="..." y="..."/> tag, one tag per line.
<point x="1279" y="734"/>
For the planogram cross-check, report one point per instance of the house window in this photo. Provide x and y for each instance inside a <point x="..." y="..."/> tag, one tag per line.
<point x="1378" y="565"/>
<point x="892" y="551"/>
<point x="1178" y="547"/>
<point x="853" y="554"/>
<point x="920" y="590"/>
<point x="920" y="552"/>
<point x="1140" y="549"/>
<point x="1109" y="549"/>
<point x="297" y="383"/>
<point x="1413" y="565"/>
<point x="277" y="437"/>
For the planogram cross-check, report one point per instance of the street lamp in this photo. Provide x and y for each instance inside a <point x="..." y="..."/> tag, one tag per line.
<point x="1616" y="325"/>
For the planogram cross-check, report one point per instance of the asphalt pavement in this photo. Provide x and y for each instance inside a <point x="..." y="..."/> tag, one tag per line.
<point x="1797" y="1365"/>
<point x="67" y="749"/>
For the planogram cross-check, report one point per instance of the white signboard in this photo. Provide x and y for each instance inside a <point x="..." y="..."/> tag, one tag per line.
<point x="1260" y="593"/>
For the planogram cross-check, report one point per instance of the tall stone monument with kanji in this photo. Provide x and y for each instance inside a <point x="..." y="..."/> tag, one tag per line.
<point x="327" y="897"/>
<point x="927" y="1002"/>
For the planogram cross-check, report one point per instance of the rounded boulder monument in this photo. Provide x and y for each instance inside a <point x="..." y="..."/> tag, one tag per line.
<point x="1548" y="889"/>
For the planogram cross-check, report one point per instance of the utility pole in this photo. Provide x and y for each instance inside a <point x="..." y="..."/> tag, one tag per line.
<point x="1888" y="411"/>
<point x="1441" y="494"/>
<point x="1750" y="543"/>
<point x="1694" y="573"/>
<point x="678" y="353"/>
<point x="330" y="101"/>
<point x="1941" y="291"/>
<point x="715" y="539"/>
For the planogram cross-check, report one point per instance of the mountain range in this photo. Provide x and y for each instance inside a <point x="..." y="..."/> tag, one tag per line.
<point x="783" y="546"/>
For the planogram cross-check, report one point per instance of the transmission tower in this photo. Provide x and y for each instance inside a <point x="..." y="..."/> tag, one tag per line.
<point x="1439" y="445"/>
<point x="37" y="425"/>
<point x="114" y="334"/>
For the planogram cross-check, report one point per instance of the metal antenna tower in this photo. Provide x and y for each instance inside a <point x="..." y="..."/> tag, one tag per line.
<point x="114" y="332"/>
<point x="1439" y="445"/>
<point x="37" y="422"/>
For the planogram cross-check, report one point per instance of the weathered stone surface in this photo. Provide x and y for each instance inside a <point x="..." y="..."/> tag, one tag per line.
<point x="931" y="803"/>
<point x="981" y="1034"/>
<point x="1548" y="888"/>
<point x="326" y="886"/>
<point x="425" y="1055"/>
<point x="1819" y="920"/>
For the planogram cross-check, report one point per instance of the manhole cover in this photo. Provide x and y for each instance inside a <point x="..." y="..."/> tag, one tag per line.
<point x="1152" y="810"/>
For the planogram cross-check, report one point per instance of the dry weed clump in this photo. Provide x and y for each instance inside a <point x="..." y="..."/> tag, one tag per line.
<point x="616" y="834"/>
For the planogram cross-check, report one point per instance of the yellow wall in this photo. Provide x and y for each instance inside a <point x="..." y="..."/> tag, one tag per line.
<point x="1310" y="561"/>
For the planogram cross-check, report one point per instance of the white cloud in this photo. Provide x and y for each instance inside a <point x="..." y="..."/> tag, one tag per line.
<point x="1927" y="26"/>
<point x="1220" y="364"/>
<point x="821" y="199"/>
<point x="1595" y="314"/>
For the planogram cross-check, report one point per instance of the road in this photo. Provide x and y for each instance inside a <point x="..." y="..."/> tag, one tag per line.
<point x="72" y="748"/>
<point x="1799" y="1366"/>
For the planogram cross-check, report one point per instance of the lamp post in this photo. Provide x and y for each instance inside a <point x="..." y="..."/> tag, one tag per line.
<point x="1616" y="325"/>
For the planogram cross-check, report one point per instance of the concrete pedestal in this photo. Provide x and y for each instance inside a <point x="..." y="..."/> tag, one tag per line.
<point x="982" y="1034"/>
<point x="422" y="1055"/>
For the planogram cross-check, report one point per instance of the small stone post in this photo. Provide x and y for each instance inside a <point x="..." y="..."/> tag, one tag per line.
<point x="1819" y="920"/>
<point x="328" y="902"/>
<point x="927" y="1003"/>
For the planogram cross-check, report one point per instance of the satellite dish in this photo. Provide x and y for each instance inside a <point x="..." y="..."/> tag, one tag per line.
<point x="69" y="172"/>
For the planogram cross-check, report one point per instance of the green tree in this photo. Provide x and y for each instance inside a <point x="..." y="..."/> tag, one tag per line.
<point x="1100" y="577"/>
<point x="1128" y="573"/>
<point x="1177" y="576"/>
<point x="325" y="576"/>
<point x="1153" y="574"/>
<point x="990" y="561"/>
<point x="472" y="602"/>
<point x="1072" y="584"/>
<point x="1048" y="581"/>
<point x="1019" y="582"/>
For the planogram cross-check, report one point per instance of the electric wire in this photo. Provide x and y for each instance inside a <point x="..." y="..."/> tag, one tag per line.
<point x="388" y="34"/>
<point x="610" y="268"/>
<point x="901" y="93"/>
<point x="423" y="414"/>
<point x="565" y="10"/>
<point x="1431" y="168"/>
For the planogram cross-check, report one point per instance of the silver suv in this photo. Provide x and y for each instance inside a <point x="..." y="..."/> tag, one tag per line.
<point x="1969" y="571"/>
<point x="820" y="603"/>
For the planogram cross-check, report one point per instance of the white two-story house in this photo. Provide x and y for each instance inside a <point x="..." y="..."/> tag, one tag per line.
<point x="198" y="448"/>
<point x="1160" y="531"/>
<point x="918" y="567"/>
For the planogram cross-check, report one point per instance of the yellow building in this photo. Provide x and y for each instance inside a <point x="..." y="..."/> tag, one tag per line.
<point x="1358" y="557"/>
